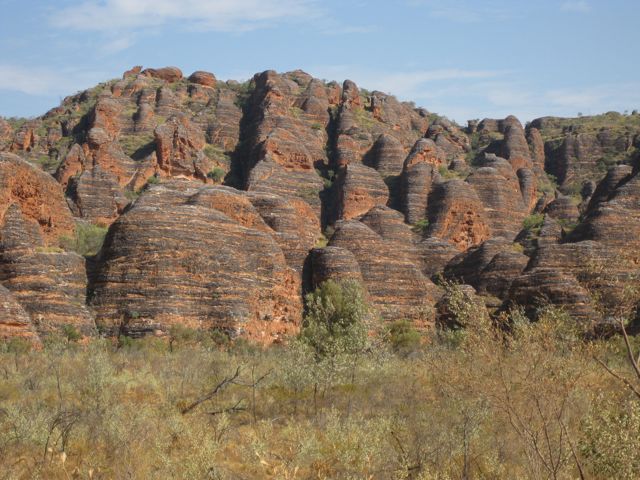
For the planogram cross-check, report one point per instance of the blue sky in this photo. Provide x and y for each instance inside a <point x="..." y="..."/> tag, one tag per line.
<point x="460" y="58"/>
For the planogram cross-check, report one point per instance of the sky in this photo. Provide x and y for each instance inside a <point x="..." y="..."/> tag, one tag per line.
<point x="461" y="58"/>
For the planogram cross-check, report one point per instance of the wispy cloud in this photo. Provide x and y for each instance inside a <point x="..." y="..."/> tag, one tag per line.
<point x="46" y="81"/>
<point x="462" y="94"/>
<point x="576" y="6"/>
<point x="219" y="15"/>
<point x="407" y="84"/>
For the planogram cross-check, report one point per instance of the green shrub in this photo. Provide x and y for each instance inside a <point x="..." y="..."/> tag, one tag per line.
<point x="533" y="222"/>
<point x="309" y="193"/>
<point x="403" y="337"/>
<point x="336" y="318"/>
<point x="217" y="174"/>
<point x="153" y="180"/>
<point x="87" y="241"/>
<point x="71" y="333"/>
<point x="421" y="226"/>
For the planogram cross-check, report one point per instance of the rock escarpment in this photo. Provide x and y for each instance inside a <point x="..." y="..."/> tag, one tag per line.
<point x="220" y="198"/>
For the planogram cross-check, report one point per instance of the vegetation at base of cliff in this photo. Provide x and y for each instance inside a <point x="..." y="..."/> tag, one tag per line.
<point x="87" y="241"/>
<point x="217" y="174"/>
<point x="510" y="399"/>
<point x="421" y="226"/>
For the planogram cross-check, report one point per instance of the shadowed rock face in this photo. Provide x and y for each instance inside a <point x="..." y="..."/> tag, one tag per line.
<point x="409" y="195"/>
<point x="176" y="259"/>
<point x="456" y="214"/>
<point x="14" y="321"/>
<point x="490" y="268"/>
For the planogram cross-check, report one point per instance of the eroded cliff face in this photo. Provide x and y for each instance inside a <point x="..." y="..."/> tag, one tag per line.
<point x="226" y="202"/>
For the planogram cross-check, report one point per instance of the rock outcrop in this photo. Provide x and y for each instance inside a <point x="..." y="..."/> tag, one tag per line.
<point x="216" y="195"/>
<point x="456" y="214"/>
<point x="48" y="283"/>
<point x="174" y="258"/>
<point x="14" y="321"/>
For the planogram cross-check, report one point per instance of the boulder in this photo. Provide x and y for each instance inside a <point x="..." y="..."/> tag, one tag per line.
<point x="205" y="79"/>
<point x="168" y="74"/>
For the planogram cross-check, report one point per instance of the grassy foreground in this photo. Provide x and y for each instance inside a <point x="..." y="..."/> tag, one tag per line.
<point x="479" y="399"/>
<point x="475" y="404"/>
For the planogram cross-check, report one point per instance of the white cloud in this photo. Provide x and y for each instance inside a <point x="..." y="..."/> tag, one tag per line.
<point x="220" y="15"/>
<point x="407" y="85"/>
<point x="576" y="6"/>
<point x="46" y="81"/>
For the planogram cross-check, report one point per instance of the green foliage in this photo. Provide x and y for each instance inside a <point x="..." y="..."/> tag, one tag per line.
<point x="403" y="337"/>
<point x="71" y="333"/>
<point x="364" y="118"/>
<point x="533" y="222"/>
<point x="447" y="174"/>
<point x="296" y="112"/>
<point x="547" y="184"/>
<point x="87" y="241"/>
<point x="134" y="143"/>
<point x="153" y="180"/>
<point x="609" y="441"/>
<point x="317" y="126"/>
<point x="335" y="321"/>
<point x="16" y="122"/>
<point x="217" y="174"/>
<point x="328" y="177"/>
<point x="421" y="226"/>
<point x="216" y="153"/>
<point x="309" y="194"/>
<point x="321" y="241"/>
<point x="515" y="400"/>
<point x="461" y="309"/>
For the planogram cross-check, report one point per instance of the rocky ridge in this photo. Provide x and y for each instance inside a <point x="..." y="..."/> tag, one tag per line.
<point x="226" y="202"/>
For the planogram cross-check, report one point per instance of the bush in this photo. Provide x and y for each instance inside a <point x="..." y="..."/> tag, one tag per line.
<point x="421" y="226"/>
<point x="403" y="337"/>
<point x="533" y="222"/>
<point x="336" y="318"/>
<point x="217" y="174"/>
<point x="87" y="241"/>
<point x="153" y="180"/>
<point x="71" y="333"/>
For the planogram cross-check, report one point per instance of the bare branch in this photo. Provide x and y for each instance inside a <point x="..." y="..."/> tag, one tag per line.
<point x="630" y="354"/>
<point x="627" y="383"/>
<point x="232" y="409"/>
<point x="208" y="396"/>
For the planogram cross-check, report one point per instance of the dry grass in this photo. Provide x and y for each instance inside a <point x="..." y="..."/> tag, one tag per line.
<point x="468" y="404"/>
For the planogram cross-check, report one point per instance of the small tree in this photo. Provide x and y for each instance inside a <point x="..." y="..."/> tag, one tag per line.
<point x="335" y="332"/>
<point x="336" y="317"/>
